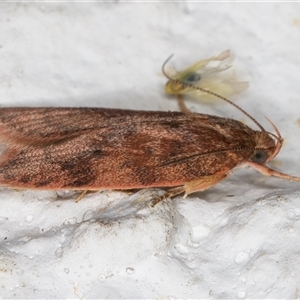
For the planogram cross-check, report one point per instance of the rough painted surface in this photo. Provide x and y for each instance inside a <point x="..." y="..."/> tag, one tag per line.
<point x="238" y="240"/>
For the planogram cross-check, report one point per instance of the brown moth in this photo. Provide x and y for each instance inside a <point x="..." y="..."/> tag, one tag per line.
<point x="100" y="149"/>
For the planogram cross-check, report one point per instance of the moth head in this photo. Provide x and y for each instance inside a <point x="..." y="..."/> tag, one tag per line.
<point x="267" y="145"/>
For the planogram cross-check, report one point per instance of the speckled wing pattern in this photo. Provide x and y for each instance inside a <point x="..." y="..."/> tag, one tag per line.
<point x="95" y="148"/>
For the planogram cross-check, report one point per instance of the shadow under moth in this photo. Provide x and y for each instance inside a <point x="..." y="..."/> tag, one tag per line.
<point x="101" y="149"/>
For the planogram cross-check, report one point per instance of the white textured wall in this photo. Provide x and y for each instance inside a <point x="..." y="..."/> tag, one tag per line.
<point x="240" y="239"/>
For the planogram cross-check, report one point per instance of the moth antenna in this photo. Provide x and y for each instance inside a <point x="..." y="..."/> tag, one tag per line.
<point x="208" y="92"/>
<point x="277" y="137"/>
<point x="164" y="65"/>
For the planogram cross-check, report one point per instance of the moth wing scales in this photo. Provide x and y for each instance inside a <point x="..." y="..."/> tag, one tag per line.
<point x="119" y="157"/>
<point x="47" y="125"/>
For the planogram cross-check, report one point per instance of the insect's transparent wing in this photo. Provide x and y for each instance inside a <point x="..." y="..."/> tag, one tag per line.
<point x="209" y="74"/>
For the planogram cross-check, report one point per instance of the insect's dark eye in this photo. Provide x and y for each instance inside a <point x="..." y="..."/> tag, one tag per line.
<point x="192" y="78"/>
<point x="260" y="156"/>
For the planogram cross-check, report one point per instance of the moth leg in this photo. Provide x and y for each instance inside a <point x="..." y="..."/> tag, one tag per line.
<point x="197" y="185"/>
<point x="182" y="105"/>
<point x="81" y="195"/>
<point x="128" y="192"/>
<point x="203" y="183"/>
<point x="169" y="194"/>
<point x="270" y="172"/>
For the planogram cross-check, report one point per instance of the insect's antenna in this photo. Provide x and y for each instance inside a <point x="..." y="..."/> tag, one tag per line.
<point x="279" y="139"/>
<point x="185" y="84"/>
<point x="164" y="67"/>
